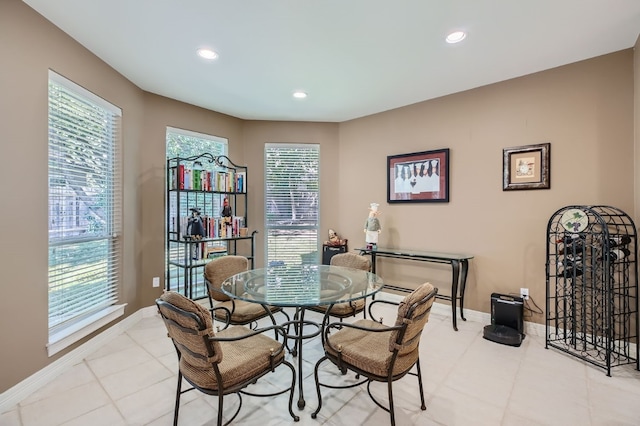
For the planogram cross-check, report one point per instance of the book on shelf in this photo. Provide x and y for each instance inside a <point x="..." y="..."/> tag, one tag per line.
<point x="187" y="179"/>
<point x="214" y="227"/>
<point x="240" y="182"/>
<point x="181" y="177"/>
<point x="196" y="183"/>
<point x="176" y="177"/>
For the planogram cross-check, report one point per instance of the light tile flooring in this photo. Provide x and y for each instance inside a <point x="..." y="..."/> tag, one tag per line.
<point x="468" y="381"/>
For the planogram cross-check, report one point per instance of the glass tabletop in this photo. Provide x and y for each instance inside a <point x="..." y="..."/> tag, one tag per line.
<point x="302" y="285"/>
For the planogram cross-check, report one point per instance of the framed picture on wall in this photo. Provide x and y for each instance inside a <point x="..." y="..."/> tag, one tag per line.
<point x="526" y="167"/>
<point x="419" y="177"/>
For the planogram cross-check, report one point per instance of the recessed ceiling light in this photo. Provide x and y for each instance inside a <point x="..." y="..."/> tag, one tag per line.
<point x="456" y="37"/>
<point x="207" y="53"/>
<point x="299" y="94"/>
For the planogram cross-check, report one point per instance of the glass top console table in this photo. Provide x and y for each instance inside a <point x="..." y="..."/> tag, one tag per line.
<point x="459" y="266"/>
<point x="300" y="287"/>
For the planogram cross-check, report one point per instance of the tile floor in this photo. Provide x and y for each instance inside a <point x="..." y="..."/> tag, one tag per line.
<point x="468" y="381"/>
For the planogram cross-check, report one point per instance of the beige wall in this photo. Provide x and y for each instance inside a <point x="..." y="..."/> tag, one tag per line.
<point x="585" y="110"/>
<point x="29" y="46"/>
<point x="636" y="121"/>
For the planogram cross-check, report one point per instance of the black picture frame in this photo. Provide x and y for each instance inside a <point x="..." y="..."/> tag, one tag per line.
<point x="418" y="177"/>
<point x="526" y="167"/>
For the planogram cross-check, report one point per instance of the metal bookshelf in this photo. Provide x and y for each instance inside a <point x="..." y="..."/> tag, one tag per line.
<point x="203" y="182"/>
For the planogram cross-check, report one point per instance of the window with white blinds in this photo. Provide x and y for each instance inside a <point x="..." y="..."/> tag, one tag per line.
<point x="84" y="205"/>
<point x="292" y="203"/>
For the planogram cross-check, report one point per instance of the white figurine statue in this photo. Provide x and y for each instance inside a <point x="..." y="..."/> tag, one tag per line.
<point x="372" y="226"/>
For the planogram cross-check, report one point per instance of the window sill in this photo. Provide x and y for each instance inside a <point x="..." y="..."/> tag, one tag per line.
<point x="70" y="335"/>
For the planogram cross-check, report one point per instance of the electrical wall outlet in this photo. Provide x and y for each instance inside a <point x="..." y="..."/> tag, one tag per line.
<point x="156" y="281"/>
<point x="524" y="293"/>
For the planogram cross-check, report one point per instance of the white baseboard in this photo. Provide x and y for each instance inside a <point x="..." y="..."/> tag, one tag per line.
<point x="17" y="393"/>
<point x="438" y="308"/>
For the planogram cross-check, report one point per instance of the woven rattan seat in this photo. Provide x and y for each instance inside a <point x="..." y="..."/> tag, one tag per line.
<point x="380" y="352"/>
<point x="351" y="308"/>
<point x="220" y="363"/>
<point x="223" y="308"/>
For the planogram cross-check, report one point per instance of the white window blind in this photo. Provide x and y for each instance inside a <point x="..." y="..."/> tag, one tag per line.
<point x="292" y="203"/>
<point x="84" y="204"/>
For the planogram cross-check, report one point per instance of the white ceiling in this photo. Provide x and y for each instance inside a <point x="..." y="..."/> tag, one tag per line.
<point x="353" y="57"/>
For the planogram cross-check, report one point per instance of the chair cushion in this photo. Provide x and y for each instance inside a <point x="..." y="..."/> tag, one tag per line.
<point x="244" y="312"/>
<point x="243" y="360"/>
<point x="193" y="342"/>
<point x="415" y="320"/>
<point x="345" y="309"/>
<point x="351" y="260"/>
<point x="342" y="309"/>
<point x="221" y="268"/>
<point x="367" y="351"/>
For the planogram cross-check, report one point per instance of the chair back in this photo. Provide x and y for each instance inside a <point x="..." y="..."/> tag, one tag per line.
<point x="221" y="268"/>
<point x="413" y="313"/>
<point x="351" y="260"/>
<point x="189" y="326"/>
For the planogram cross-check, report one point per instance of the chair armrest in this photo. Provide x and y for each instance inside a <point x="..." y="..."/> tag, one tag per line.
<point x="227" y="314"/>
<point x="340" y="325"/>
<point x="211" y="289"/>
<point x="380" y="301"/>
<point x="279" y="329"/>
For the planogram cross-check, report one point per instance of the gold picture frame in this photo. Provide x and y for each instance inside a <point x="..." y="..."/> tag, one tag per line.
<point x="526" y="167"/>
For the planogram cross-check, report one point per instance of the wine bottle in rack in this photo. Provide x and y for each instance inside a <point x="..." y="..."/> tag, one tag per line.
<point x="571" y="249"/>
<point x="572" y="272"/>
<point x="569" y="260"/>
<point x="570" y="238"/>
<point x="571" y="243"/>
<point x="619" y="240"/>
<point x="614" y="254"/>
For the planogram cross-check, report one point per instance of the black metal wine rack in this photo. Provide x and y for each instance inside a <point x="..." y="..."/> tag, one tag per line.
<point x="592" y="285"/>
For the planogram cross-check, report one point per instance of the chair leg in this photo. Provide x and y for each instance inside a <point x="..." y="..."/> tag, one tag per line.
<point x="220" y="397"/>
<point x="178" y="393"/>
<point x="423" y="406"/>
<point x="292" y="391"/>
<point x="392" y="412"/>
<point x="315" y="376"/>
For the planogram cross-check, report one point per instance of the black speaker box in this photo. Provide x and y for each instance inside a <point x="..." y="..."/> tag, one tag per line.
<point x="506" y="320"/>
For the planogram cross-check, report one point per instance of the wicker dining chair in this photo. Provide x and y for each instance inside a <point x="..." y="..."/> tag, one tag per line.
<point x="378" y="352"/>
<point x="351" y="308"/>
<point x="220" y="363"/>
<point x="228" y="310"/>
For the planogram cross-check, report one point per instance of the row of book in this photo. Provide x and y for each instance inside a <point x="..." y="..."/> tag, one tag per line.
<point x="204" y="250"/>
<point x="214" y="227"/>
<point x="182" y="177"/>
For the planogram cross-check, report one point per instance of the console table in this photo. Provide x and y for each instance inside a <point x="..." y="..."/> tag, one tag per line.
<point x="459" y="265"/>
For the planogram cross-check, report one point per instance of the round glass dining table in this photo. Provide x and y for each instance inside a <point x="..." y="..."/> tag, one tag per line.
<point x="301" y="287"/>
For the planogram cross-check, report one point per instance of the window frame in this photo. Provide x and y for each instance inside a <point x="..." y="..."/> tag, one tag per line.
<point x="308" y="248"/>
<point x="66" y="329"/>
